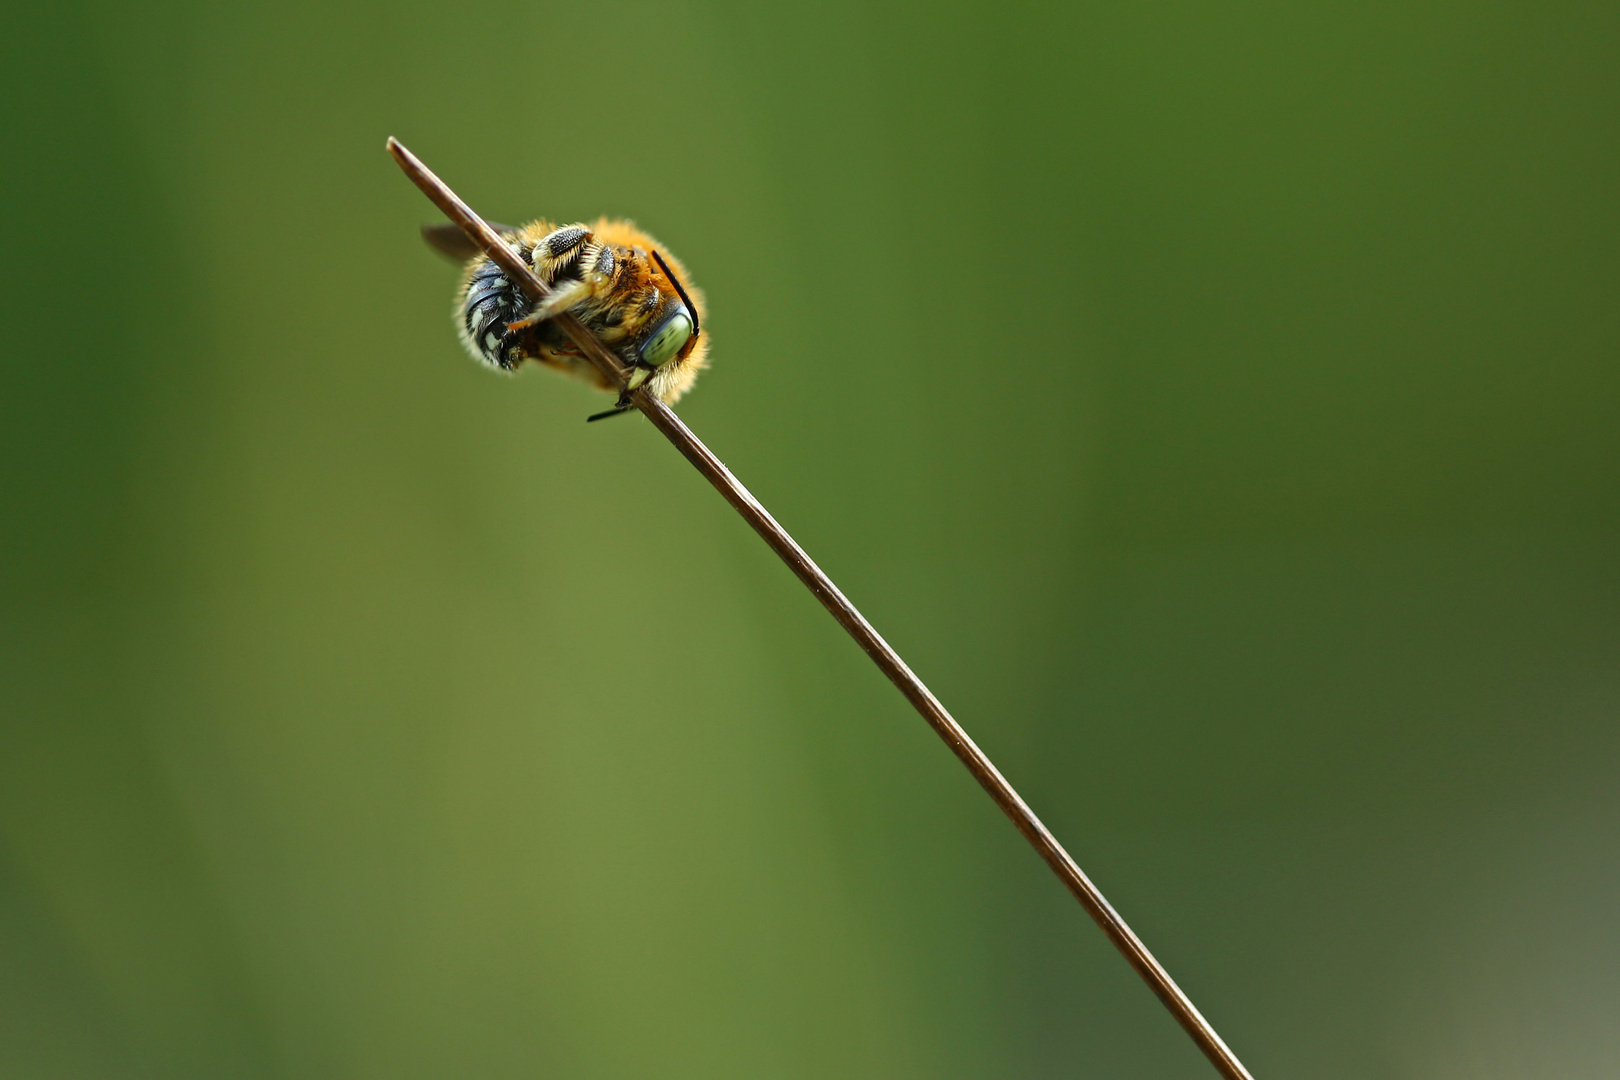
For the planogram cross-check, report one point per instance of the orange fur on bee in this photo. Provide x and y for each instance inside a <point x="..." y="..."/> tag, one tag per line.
<point x="623" y="308"/>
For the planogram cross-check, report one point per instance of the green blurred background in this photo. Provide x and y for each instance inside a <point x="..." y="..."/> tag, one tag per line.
<point x="1217" y="404"/>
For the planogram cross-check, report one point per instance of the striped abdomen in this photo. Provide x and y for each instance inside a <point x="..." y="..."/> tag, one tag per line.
<point x="484" y="307"/>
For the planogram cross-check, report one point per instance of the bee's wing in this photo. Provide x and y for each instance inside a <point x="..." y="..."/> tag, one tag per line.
<point x="448" y="240"/>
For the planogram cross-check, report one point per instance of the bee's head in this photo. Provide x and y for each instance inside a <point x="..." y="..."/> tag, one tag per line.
<point x="675" y="328"/>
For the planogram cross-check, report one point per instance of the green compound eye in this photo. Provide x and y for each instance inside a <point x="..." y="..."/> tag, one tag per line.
<point x="662" y="346"/>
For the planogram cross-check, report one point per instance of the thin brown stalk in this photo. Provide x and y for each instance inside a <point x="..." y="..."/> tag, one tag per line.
<point x="822" y="587"/>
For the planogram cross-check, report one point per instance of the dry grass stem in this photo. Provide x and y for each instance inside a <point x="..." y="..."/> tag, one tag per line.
<point x="819" y="584"/>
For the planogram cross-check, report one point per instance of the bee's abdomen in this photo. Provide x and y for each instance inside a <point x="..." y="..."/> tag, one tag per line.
<point x="483" y="309"/>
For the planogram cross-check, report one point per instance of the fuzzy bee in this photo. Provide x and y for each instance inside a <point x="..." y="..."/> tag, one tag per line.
<point x="609" y="275"/>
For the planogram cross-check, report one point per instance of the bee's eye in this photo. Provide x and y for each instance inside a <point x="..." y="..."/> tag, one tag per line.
<point x="662" y="346"/>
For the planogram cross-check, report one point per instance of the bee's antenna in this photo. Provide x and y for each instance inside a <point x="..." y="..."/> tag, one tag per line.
<point x="687" y="300"/>
<point x="609" y="412"/>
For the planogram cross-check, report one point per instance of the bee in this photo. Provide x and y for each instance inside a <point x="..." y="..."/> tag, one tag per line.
<point x="611" y="276"/>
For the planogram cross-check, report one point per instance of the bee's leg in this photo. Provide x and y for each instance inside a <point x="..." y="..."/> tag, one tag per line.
<point x="560" y="299"/>
<point x="638" y="375"/>
<point x="576" y="266"/>
<point x="559" y="250"/>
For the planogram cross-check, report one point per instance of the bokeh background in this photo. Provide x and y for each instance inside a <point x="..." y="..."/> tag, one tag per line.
<point x="1217" y="404"/>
